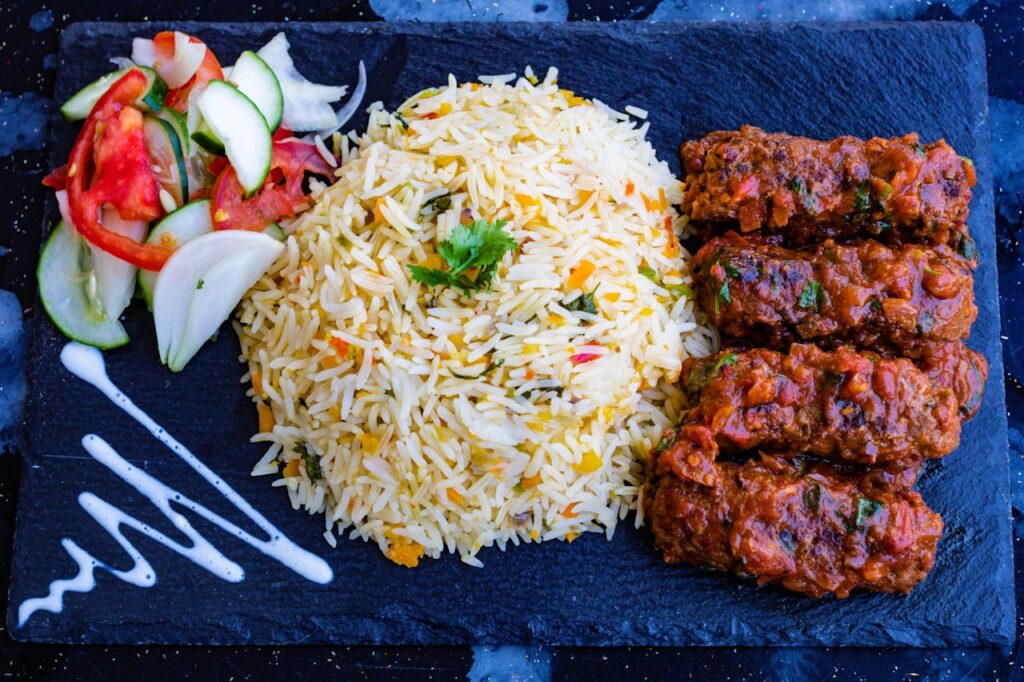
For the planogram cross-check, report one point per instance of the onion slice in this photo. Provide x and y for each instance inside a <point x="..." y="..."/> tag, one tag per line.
<point x="307" y="106"/>
<point x="143" y="52"/>
<point x="187" y="58"/>
<point x="346" y="112"/>
<point x="176" y="69"/>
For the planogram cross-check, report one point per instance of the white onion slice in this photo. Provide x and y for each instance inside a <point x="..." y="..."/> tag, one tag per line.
<point x="306" y="105"/>
<point x="122" y="63"/>
<point x="187" y="58"/>
<point x="351" y="106"/>
<point x="143" y="52"/>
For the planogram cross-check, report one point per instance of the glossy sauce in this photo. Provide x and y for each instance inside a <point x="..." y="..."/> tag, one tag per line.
<point x="87" y="364"/>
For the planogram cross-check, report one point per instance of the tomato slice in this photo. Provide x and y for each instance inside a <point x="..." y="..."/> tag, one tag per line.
<point x="57" y="178"/>
<point x="208" y="70"/>
<point x="281" y="133"/>
<point x="109" y="165"/>
<point x="282" y="196"/>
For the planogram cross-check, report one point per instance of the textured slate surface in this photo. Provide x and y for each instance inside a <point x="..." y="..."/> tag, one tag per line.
<point x="815" y="80"/>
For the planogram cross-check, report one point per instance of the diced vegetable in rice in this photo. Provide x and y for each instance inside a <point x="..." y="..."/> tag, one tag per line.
<point x="433" y="418"/>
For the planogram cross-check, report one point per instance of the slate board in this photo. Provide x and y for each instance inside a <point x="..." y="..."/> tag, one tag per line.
<point x="817" y="80"/>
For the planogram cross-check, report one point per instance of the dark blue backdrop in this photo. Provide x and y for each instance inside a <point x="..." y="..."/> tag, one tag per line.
<point x="28" y="41"/>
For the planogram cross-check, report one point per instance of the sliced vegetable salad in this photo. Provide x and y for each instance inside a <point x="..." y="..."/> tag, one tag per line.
<point x="177" y="182"/>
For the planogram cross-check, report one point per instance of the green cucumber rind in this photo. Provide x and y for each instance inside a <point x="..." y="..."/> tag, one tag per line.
<point x="254" y="183"/>
<point x="208" y="140"/>
<point x="179" y="154"/>
<point x="80" y="105"/>
<point x="252" y="63"/>
<point x="180" y="127"/>
<point x="147" y="278"/>
<point x="276" y="231"/>
<point x="54" y="263"/>
<point x="154" y="97"/>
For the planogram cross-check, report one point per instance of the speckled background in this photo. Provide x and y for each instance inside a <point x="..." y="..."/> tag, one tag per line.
<point x="28" y="39"/>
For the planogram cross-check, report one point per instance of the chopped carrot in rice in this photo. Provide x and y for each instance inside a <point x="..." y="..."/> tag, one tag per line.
<point x="530" y="482"/>
<point x="407" y="554"/>
<point x="579" y="276"/>
<point x="266" y="417"/>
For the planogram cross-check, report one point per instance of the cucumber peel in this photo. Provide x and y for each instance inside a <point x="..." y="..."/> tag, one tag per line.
<point x="68" y="290"/>
<point x="80" y="105"/>
<point x="257" y="81"/>
<point x="238" y="123"/>
<point x="175" y="229"/>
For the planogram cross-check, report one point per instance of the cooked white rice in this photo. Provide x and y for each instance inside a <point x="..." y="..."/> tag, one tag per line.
<point x="359" y="362"/>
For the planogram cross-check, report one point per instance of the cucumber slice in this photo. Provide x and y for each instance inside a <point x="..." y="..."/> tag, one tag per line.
<point x="68" y="291"/>
<point x="81" y="103"/>
<point x="257" y="81"/>
<point x="200" y="180"/>
<point x="180" y="127"/>
<point x="168" y="156"/>
<point x="180" y="227"/>
<point x="274" y="230"/>
<point x="236" y="121"/>
<point x="154" y="97"/>
<point x="208" y="140"/>
<point x="199" y="286"/>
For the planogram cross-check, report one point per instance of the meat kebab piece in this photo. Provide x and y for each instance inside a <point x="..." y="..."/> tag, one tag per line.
<point x="815" y="531"/>
<point x="863" y="293"/>
<point x="840" y="405"/>
<point x="952" y="365"/>
<point x="808" y="190"/>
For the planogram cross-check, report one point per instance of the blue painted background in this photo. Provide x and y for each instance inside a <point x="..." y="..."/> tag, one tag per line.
<point x="28" y="40"/>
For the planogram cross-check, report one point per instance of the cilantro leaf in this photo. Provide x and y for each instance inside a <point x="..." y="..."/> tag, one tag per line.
<point x="862" y="197"/>
<point x="809" y="199"/>
<point x="491" y="366"/>
<point x="310" y="460"/>
<point x="583" y="303"/>
<point x="680" y="290"/>
<point x="676" y="290"/>
<point x="430" y="276"/>
<point x="866" y="508"/>
<point x="438" y="204"/>
<point x="480" y="245"/>
<point x="700" y="374"/>
<point x="649" y="273"/>
<point x="723" y="293"/>
<point x="810" y="295"/>
<point x="725" y="360"/>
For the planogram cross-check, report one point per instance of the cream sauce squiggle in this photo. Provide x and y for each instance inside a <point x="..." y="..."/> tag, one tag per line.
<point x="87" y="364"/>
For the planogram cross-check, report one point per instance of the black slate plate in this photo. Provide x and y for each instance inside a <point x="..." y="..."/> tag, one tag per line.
<point x="868" y="79"/>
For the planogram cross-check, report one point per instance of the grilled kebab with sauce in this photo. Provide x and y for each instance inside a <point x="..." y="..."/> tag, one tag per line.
<point x="863" y="293"/>
<point x="857" y="244"/>
<point x="805" y="190"/>
<point x="841" y="405"/>
<point x="814" y="529"/>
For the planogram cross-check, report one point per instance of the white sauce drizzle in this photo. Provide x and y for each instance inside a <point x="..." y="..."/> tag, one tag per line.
<point x="87" y="364"/>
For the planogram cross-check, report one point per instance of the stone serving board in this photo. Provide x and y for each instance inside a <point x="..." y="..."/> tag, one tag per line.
<point x="816" y="80"/>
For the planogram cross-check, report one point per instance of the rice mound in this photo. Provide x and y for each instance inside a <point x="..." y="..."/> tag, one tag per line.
<point x="427" y="420"/>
